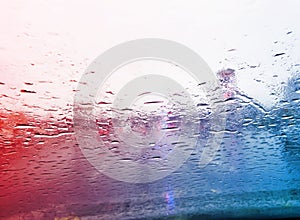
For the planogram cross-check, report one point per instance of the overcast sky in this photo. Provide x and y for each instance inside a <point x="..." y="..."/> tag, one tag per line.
<point x="54" y="41"/>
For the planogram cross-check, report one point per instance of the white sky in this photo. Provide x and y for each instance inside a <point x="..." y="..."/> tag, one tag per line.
<point x="62" y="37"/>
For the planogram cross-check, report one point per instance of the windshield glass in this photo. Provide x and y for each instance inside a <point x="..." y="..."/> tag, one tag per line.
<point x="145" y="110"/>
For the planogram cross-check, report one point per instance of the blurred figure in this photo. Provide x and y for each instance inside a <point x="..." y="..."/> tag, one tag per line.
<point x="243" y="113"/>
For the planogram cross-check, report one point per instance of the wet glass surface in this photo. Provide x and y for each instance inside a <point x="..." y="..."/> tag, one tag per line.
<point x="45" y="47"/>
